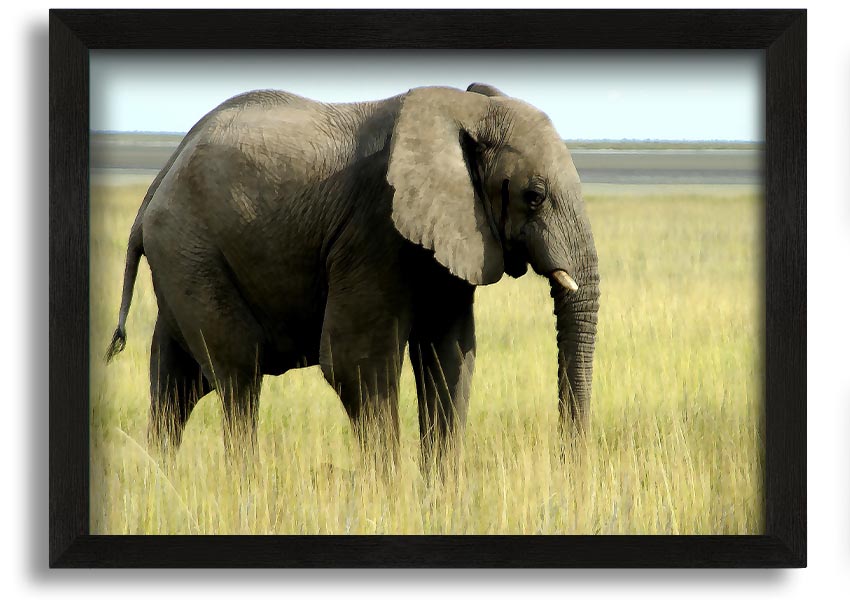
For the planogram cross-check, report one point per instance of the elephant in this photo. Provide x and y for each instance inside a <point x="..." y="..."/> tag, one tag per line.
<point x="285" y="232"/>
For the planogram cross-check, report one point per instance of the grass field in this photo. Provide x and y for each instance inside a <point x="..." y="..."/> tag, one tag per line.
<point x="675" y="445"/>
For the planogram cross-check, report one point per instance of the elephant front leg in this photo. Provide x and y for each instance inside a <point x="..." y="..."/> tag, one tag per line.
<point x="442" y="352"/>
<point x="369" y="394"/>
<point x="363" y="339"/>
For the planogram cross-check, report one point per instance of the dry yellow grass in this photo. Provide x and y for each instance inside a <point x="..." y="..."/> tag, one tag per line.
<point x="675" y="444"/>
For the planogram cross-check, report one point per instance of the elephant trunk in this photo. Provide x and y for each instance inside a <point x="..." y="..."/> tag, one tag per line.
<point x="576" y="318"/>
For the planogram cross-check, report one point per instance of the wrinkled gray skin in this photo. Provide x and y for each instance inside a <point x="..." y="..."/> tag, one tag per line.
<point x="285" y="233"/>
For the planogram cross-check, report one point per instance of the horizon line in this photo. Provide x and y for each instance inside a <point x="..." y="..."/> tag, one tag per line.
<point x="618" y="140"/>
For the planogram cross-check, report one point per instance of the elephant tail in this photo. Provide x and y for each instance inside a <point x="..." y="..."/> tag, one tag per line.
<point x="135" y="250"/>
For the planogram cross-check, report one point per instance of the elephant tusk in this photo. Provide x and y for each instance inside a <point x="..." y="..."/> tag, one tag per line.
<point x="565" y="280"/>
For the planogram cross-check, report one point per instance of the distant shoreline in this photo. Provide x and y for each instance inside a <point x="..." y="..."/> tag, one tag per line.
<point x="597" y="161"/>
<point x="662" y="145"/>
<point x="119" y="137"/>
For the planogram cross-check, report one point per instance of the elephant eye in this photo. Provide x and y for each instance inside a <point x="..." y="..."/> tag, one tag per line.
<point x="533" y="199"/>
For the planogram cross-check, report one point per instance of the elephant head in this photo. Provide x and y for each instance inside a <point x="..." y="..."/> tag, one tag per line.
<point x="486" y="182"/>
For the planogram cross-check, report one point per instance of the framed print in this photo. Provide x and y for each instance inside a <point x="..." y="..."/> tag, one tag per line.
<point x="429" y="291"/>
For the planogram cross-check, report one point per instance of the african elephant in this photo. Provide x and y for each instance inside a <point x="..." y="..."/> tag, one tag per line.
<point x="285" y="232"/>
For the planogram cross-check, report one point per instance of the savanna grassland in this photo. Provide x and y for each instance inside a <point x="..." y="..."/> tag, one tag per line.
<point x="675" y="444"/>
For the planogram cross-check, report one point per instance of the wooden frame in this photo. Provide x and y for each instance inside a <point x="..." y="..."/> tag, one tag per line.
<point x="780" y="33"/>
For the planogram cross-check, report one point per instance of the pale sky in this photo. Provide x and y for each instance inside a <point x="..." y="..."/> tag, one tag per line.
<point x="672" y="95"/>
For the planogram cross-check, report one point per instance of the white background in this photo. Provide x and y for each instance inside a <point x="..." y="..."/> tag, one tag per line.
<point x="24" y="346"/>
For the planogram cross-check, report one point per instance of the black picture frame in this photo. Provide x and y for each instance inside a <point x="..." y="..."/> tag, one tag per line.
<point x="781" y="34"/>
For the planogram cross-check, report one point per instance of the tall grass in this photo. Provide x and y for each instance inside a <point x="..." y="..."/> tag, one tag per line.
<point x="674" y="447"/>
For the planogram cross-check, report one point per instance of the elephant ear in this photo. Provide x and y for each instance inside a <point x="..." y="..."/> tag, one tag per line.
<point x="485" y="89"/>
<point x="434" y="200"/>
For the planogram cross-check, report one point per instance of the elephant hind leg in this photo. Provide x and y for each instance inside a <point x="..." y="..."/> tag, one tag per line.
<point x="221" y="332"/>
<point x="240" y="397"/>
<point x="176" y="384"/>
